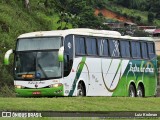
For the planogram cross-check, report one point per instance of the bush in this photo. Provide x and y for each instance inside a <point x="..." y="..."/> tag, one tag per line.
<point x="7" y="91"/>
<point x="150" y="17"/>
<point x="138" y="18"/>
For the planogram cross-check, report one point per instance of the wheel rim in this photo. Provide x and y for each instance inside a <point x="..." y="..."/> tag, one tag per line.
<point x="80" y="91"/>
<point x="139" y="92"/>
<point x="132" y="93"/>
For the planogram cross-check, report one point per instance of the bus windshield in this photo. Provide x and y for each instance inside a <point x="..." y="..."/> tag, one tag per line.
<point x="37" y="62"/>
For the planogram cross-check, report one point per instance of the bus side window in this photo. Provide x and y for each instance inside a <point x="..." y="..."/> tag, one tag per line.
<point x="91" y="46"/>
<point x="80" y="45"/>
<point x="68" y="54"/>
<point x="144" y="50"/>
<point x="114" y="48"/>
<point x="151" y="50"/>
<point x="136" y="49"/>
<point x="125" y="49"/>
<point x="103" y="47"/>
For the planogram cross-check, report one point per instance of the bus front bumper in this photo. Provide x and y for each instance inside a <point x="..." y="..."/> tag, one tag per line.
<point x="39" y="92"/>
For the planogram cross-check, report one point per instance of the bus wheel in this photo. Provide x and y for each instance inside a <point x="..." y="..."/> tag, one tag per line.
<point x="80" y="90"/>
<point x="132" y="91"/>
<point x="140" y="92"/>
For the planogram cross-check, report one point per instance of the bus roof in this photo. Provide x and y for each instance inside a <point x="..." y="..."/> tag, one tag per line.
<point x="137" y="38"/>
<point x="77" y="31"/>
<point x="83" y="31"/>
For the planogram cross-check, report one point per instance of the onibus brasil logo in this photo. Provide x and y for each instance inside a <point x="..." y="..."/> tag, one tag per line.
<point x="21" y="114"/>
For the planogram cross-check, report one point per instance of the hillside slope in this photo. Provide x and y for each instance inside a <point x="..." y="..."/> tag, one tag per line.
<point x="137" y="16"/>
<point x="112" y="15"/>
<point x="15" y="20"/>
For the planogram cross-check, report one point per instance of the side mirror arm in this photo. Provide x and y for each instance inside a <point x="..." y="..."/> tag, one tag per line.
<point x="7" y="55"/>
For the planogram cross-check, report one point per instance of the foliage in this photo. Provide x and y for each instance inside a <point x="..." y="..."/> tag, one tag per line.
<point x="78" y="14"/>
<point x="7" y="91"/>
<point x="146" y="5"/>
<point x="151" y="6"/>
<point x="88" y="19"/>
<point x="130" y="14"/>
<point x="150" y="17"/>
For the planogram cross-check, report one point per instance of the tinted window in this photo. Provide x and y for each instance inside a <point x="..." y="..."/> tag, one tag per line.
<point x="68" y="54"/>
<point x="80" y="45"/>
<point x="125" y="48"/>
<point x="91" y="46"/>
<point x="41" y="43"/>
<point x="151" y="50"/>
<point x="136" y="50"/>
<point x="103" y="47"/>
<point x="114" y="48"/>
<point x="144" y="50"/>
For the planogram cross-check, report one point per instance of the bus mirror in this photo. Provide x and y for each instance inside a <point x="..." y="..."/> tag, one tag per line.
<point x="60" y="54"/>
<point x="6" y="57"/>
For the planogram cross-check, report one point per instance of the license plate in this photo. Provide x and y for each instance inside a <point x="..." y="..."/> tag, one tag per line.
<point x="36" y="93"/>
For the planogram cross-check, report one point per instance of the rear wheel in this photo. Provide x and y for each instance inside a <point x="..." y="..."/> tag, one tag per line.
<point x="132" y="91"/>
<point x="80" y="90"/>
<point x="140" y="92"/>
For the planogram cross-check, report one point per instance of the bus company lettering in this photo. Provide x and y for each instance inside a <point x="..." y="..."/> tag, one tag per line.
<point x="135" y="68"/>
<point x="36" y="82"/>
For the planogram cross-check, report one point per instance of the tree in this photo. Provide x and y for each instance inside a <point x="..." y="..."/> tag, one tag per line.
<point x="150" y="17"/>
<point x="65" y="19"/>
<point x="78" y="13"/>
<point x="89" y="20"/>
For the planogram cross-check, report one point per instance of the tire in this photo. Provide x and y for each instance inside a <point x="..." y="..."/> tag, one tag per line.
<point x="132" y="91"/>
<point x="80" y="90"/>
<point x="140" y="92"/>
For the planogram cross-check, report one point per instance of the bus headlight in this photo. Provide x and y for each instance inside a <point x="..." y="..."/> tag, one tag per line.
<point x="56" y="85"/>
<point x="19" y="86"/>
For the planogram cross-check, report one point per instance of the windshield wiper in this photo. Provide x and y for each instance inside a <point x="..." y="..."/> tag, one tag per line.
<point x="42" y="70"/>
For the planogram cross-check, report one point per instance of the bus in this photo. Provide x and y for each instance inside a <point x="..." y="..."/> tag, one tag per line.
<point x="83" y="62"/>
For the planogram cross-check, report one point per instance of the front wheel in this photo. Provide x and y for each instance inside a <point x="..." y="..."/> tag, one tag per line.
<point x="80" y="90"/>
<point x="132" y="91"/>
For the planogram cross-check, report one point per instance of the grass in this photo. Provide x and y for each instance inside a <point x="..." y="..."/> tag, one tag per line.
<point x="89" y="104"/>
<point x="80" y="104"/>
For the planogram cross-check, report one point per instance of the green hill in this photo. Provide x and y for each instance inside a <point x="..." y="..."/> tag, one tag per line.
<point x="15" y="20"/>
<point x="139" y="14"/>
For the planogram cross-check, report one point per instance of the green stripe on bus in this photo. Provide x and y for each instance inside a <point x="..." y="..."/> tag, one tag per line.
<point x="116" y="73"/>
<point x="78" y="73"/>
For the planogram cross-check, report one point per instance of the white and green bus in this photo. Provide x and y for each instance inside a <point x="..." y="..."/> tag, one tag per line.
<point x="83" y="62"/>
